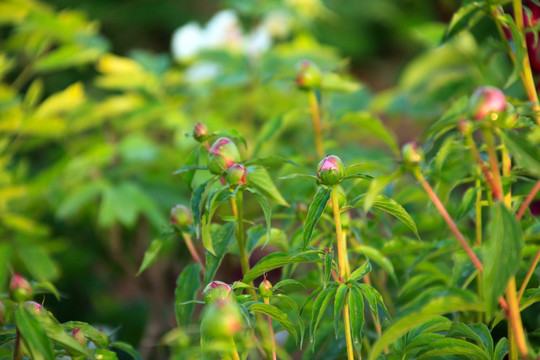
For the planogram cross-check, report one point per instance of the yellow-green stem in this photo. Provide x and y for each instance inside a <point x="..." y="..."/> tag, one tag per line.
<point x="271" y="328"/>
<point x="493" y="164"/>
<point x="528" y="276"/>
<point x="316" y="116"/>
<point x="234" y="350"/>
<point x="347" y="324"/>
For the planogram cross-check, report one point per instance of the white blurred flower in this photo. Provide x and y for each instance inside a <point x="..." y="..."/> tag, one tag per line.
<point x="202" y="72"/>
<point x="224" y="30"/>
<point x="258" y="42"/>
<point x="187" y="41"/>
<point x="278" y="23"/>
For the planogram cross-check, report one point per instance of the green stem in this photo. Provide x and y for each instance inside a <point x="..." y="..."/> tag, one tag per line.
<point x="316" y="116"/>
<point x="234" y="350"/>
<point x="478" y="216"/>
<point x="529" y="275"/>
<point x="343" y="269"/>
<point x="480" y="162"/>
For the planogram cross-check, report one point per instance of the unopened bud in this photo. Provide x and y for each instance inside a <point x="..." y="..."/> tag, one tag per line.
<point x="180" y="216"/>
<point x="330" y="170"/>
<point x="20" y="288"/>
<point x="412" y="154"/>
<point x="309" y="76"/>
<point x="200" y="132"/>
<point x="79" y="336"/>
<point x="218" y="291"/>
<point x="465" y="126"/>
<point x="237" y="175"/>
<point x="222" y="155"/>
<point x="487" y="101"/>
<point x="33" y="306"/>
<point x="265" y="289"/>
<point x="222" y="319"/>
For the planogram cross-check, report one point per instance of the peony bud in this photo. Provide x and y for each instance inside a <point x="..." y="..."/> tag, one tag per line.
<point x="218" y="291"/>
<point x="33" y="306"/>
<point x="79" y="336"/>
<point x="180" y="216"/>
<point x="200" y="132"/>
<point x="222" y="155"/>
<point x="487" y="101"/>
<point x="412" y="154"/>
<point x="237" y="175"/>
<point x="265" y="289"/>
<point x="222" y="319"/>
<point x="309" y="76"/>
<point x="20" y="288"/>
<point x="330" y="170"/>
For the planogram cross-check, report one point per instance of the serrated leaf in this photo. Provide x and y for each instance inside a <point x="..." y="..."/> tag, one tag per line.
<point x="151" y="254"/>
<point x="438" y="306"/>
<point x="187" y="285"/>
<point x="277" y="260"/>
<point x="33" y="334"/>
<point x="316" y="208"/>
<point x="277" y="315"/>
<point x="502" y="254"/>
<point x="261" y="180"/>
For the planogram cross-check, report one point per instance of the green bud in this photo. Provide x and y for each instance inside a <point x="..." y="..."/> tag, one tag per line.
<point x="222" y="155"/>
<point x="412" y="154"/>
<point x="20" y="288"/>
<point x="221" y="320"/>
<point x="33" y="306"/>
<point x="330" y="170"/>
<point x="309" y="76"/>
<point x="200" y="132"/>
<point x="265" y="289"/>
<point x="218" y="291"/>
<point x="487" y="102"/>
<point x="180" y="216"/>
<point x="237" y="175"/>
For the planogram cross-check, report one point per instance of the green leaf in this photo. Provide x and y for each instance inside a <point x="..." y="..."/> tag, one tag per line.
<point x="267" y="211"/>
<point x="269" y="129"/>
<point x="127" y="349"/>
<point x="37" y="262"/>
<point x="33" y="334"/>
<point x="501" y="349"/>
<point x="222" y="236"/>
<point x="502" y="254"/>
<point x="452" y="347"/>
<point x="438" y="306"/>
<point x="260" y="179"/>
<point x="467" y="203"/>
<point x="341" y="296"/>
<point x="98" y="338"/>
<point x="189" y="168"/>
<point x="371" y="125"/>
<point x="197" y="206"/>
<point x="464" y="18"/>
<point x="526" y="153"/>
<point x="356" y="306"/>
<point x="46" y="287"/>
<point x="57" y="334"/>
<point x="378" y="258"/>
<point x="279" y="259"/>
<point x="295" y="176"/>
<point x="293" y="306"/>
<point x="359" y="273"/>
<point x="319" y="203"/>
<point x="287" y="282"/>
<point x="151" y="254"/>
<point x="392" y="207"/>
<point x="187" y="285"/>
<point x="277" y="315"/>
<point x="257" y="236"/>
<point x="103" y="354"/>
<point x="193" y="159"/>
<point x="5" y="255"/>
<point x="375" y="187"/>
<point x="216" y="198"/>
<point x="328" y="260"/>
<point x="319" y="308"/>
<point x="463" y="330"/>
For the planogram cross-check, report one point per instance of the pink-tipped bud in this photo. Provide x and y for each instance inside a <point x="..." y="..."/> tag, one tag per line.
<point x="412" y="154"/>
<point x="221" y="320"/>
<point x="237" y="175"/>
<point x="79" y="336"/>
<point x="200" y="132"/>
<point x="309" y="76"/>
<point x="330" y="170"/>
<point x="265" y="289"/>
<point x="465" y="126"/>
<point x="222" y="155"/>
<point x="180" y="216"/>
<point x="487" y="101"/>
<point x="33" y="306"/>
<point x="20" y="288"/>
<point x="218" y="291"/>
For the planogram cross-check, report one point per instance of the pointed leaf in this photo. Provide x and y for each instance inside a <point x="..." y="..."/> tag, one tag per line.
<point x="319" y="203"/>
<point x="277" y="260"/>
<point x="267" y="211"/>
<point x="151" y="254"/>
<point x="356" y="305"/>
<point x="187" y="285"/>
<point x="33" y="334"/>
<point x="261" y="180"/>
<point x="127" y="348"/>
<point x="341" y="296"/>
<point x="277" y="315"/>
<point x="222" y="237"/>
<point x="359" y="273"/>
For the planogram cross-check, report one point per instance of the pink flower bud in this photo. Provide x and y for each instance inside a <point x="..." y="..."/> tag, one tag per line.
<point x="79" y="336"/>
<point x="309" y="76"/>
<point x="412" y="154"/>
<point x="33" y="306"/>
<point x="237" y="175"/>
<point x="330" y="170"/>
<point x="487" y="101"/>
<point x="222" y="155"/>
<point x="180" y="216"/>
<point x="265" y="289"/>
<point x="218" y="291"/>
<point x="200" y="131"/>
<point x="20" y="288"/>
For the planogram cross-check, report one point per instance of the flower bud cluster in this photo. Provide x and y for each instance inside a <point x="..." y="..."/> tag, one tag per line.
<point x="222" y="317"/>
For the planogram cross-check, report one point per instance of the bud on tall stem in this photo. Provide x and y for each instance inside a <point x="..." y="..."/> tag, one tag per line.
<point x="222" y="155"/>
